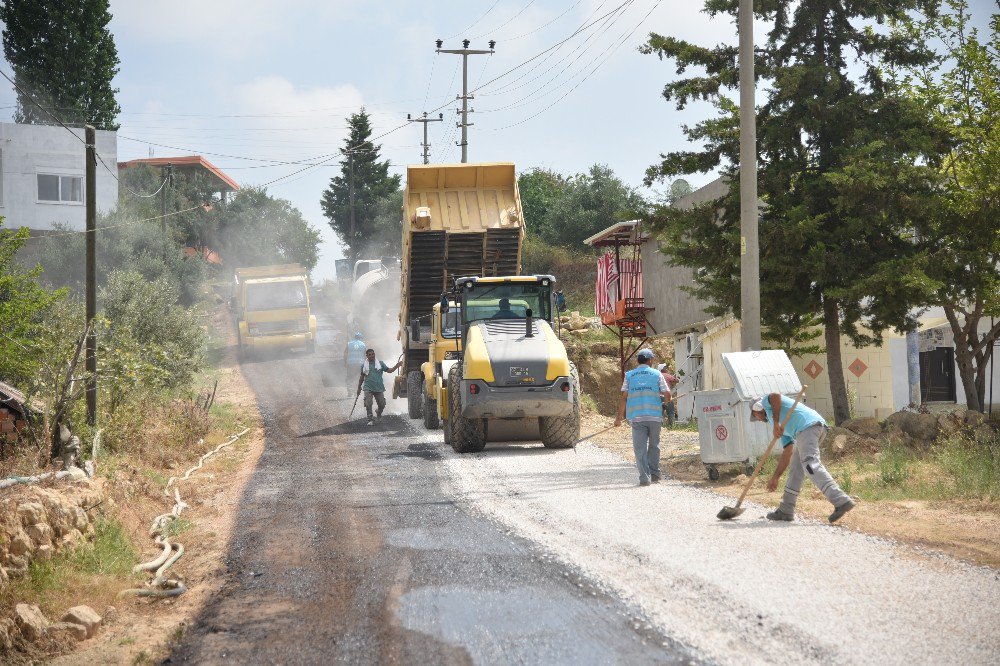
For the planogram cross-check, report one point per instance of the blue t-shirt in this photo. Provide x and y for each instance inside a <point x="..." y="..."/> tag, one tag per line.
<point x="373" y="378"/>
<point x="803" y="417"/>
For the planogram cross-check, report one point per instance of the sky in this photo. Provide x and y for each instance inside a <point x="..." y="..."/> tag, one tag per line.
<point x="258" y="86"/>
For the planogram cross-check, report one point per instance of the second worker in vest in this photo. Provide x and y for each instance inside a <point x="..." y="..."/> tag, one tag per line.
<point x="643" y="392"/>
<point x="801" y="438"/>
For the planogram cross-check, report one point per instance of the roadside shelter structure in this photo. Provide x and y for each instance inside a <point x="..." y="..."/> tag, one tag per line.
<point x="618" y="298"/>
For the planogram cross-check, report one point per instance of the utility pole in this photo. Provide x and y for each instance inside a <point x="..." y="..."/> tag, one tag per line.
<point x="425" y="120"/>
<point x="749" y="247"/>
<point x="350" y="191"/>
<point x="465" y="52"/>
<point x="90" y="139"/>
<point x="168" y="178"/>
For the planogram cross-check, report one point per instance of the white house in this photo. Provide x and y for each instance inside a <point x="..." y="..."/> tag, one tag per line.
<point x="42" y="184"/>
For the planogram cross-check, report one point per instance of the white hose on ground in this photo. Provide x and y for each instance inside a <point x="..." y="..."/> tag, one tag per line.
<point x="28" y="480"/>
<point x="160" y="586"/>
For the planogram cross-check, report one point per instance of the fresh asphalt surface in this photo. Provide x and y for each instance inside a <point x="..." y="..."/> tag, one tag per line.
<point x="353" y="546"/>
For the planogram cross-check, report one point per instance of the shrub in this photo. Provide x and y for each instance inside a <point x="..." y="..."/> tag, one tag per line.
<point x="150" y="340"/>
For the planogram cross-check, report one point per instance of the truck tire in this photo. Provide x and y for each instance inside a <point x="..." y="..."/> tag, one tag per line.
<point x="414" y="384"/>
<point x="466" y="435"/>
<point x="431" y="420"/>
<point x="562" y="432"/>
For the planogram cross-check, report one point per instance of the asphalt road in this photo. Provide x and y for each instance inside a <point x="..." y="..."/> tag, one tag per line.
<point x="354" y="546"/>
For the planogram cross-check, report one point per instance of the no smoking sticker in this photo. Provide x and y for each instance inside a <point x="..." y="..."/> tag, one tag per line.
<point x="721" y="433"/>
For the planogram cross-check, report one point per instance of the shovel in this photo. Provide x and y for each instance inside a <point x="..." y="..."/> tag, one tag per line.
<point x="730" y="512"/>
<point x="354" y="405"/>
<point x="593" y="434"/>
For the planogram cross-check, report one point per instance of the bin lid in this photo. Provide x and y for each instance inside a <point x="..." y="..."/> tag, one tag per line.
<point x="758" y="373"/>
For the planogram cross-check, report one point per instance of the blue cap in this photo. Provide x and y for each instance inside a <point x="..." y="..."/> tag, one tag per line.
<point x="645" y="354"/>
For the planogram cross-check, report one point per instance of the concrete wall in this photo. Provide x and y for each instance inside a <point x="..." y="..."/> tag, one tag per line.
<point x="27" y="150"/>
<point x="881" y="389"/>
<point x="676" y="310"/>
<point x="941" y="336"/>
<point x="872" y="392"/>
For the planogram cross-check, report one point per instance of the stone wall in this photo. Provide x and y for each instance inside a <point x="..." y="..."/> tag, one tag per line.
<point x="36" y="522"/>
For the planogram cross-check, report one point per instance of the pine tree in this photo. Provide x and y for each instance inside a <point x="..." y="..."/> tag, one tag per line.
<point x="362" y="168"/>
<point x="839" y="173"/>
<point x="63" y="56"/>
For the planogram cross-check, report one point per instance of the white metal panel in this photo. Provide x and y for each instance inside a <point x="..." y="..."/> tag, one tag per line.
<point x="758" y="373"/>
<point x="719" y="426"/>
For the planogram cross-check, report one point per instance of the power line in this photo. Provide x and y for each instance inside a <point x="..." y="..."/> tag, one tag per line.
<point x="546" y="89"/>
<point x="582" y="28"/>
<point x="589" y="74"/>
<point x="80" y="139"/>
<point x="544" y="25"/>
<point x="430" y="79"/>
<point x="121" y="224"/>
<point x="586" y="45"/>
<point x="476" y="22"/>
<point x="507" y="22"/>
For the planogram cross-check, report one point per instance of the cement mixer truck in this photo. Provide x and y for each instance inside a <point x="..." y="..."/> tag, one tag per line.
<point x="374" y="292"/>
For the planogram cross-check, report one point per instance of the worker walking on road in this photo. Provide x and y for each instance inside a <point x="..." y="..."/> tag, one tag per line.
<point x="643" y="392"/>
<point x="372" y="383"/>
<point x="801" y="438"/>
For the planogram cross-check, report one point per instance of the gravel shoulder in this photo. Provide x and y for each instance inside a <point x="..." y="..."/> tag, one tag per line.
<point x="965" y="530"/>
<point x="745" y="591"/>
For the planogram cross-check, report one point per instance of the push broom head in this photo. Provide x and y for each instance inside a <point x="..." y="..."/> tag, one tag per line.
<point x="730" y="512"/>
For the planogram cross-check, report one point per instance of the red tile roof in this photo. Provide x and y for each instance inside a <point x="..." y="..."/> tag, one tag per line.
<point x="186" y="160"/>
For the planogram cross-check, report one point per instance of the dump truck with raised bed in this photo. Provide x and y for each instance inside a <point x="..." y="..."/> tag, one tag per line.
<point x="458" y="220"/>
<point x="510" y="378"/>
<point x="272" y="308"/>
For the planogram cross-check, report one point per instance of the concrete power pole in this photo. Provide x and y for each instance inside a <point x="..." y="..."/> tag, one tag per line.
<point x="749" y="247"/>
<point x="425" y="120"/>
<point x="465" y="52"/>
<point x="90" y="136"/>
<point x="168" y="177"/>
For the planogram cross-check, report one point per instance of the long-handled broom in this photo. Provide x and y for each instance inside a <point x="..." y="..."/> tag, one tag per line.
<point x="730" y="512"/>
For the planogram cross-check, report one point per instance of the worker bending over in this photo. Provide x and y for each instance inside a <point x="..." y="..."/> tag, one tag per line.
<point x="643" y="392"/>
<point x="373" y="384"/>
<point x="801" y="438"/>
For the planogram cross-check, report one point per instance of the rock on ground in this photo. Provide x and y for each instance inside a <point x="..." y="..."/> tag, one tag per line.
<point x="867" y="427"/>
<point x="921" y="427"/>
<point x="77" y="631"/>
<point x="30" y="621"/>
<point x="85" y="616"/>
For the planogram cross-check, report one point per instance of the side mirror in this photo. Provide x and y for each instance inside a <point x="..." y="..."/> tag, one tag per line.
<point x="415" y="330"/>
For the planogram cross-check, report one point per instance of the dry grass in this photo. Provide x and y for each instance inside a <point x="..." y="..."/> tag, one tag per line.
<point x="95" y="570"/>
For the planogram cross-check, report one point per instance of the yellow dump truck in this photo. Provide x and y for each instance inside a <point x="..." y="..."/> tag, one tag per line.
<point x="273" y="308"/>
<point x="458" y="220"/>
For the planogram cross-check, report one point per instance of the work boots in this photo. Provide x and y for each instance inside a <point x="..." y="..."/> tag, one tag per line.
<point x="780" y="515"/>
<point x="839" y="511"/>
